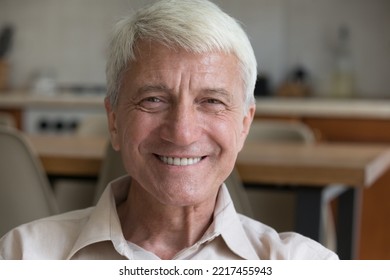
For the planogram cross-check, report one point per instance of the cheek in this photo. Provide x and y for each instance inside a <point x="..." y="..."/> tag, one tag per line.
<point x="135" y="129"/>
<point x="130" y="136"/>
<point x="227" y="132"/>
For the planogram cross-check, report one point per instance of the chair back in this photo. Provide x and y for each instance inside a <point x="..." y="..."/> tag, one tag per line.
<point x="25" y="193"/>
<point x="238" y="194"/>
<point x="280" y="131"/>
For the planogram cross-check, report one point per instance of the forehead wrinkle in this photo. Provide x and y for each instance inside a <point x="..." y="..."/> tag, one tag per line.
<point x="154" y="88"/>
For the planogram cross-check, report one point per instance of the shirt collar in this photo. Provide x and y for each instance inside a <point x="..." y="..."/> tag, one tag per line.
<point x="227" y="222"/>
<point x="104" y="224"/>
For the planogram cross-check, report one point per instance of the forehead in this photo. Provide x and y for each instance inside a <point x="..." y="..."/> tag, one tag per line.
<point x="152" y="58"/>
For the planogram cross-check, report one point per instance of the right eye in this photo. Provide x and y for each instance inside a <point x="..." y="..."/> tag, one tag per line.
<point x="152" y="99"/>
<point x="153" y="103"/>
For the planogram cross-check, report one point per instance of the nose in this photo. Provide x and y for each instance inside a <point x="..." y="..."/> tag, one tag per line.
<point x="182" y="125"/>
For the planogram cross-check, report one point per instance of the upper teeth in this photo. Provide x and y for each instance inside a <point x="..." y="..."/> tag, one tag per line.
<point x="180" y="161"/>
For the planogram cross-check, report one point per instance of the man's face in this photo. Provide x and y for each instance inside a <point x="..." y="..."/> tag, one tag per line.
<point x="179" y="122"/>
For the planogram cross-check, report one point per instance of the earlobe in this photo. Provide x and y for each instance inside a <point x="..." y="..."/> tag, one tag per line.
<point x="247" y="121"/>
<point x="112" y="126"/>
<point x="248" y="118"/>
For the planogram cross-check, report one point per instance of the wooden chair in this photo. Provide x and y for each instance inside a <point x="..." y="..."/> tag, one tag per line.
<point x="112" y="168"/>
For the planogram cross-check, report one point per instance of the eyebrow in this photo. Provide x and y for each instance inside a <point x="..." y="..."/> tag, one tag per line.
<point x="220" y="91"/>
<point x="154" y="88"/>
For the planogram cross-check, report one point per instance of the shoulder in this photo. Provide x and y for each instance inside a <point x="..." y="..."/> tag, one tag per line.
<point x="269" y="244"/>
<point x="47" y="238"/>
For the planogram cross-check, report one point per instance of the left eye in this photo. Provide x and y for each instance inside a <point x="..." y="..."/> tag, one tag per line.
<point x="213" y="105"/>
<point x="153" y="99"/>
<point x="213" y="101"/>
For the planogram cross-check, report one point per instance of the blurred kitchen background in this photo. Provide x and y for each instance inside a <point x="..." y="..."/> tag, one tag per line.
<point x="66" y="41"/>
<point x="329" y="59"/>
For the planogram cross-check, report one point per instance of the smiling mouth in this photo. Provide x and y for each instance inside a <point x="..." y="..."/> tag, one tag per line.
<point x="177" y="161"/>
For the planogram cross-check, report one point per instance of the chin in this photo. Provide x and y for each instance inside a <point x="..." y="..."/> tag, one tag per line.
<point x="183" y="198"/>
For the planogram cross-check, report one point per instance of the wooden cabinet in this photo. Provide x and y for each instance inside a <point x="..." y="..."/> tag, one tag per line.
<point x="374" y="241"/>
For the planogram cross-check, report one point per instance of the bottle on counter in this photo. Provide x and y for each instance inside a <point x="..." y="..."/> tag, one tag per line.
<point x="342" y="84"/>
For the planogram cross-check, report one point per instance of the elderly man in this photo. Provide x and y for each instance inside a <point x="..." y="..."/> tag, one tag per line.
<point x="180" y="104"/>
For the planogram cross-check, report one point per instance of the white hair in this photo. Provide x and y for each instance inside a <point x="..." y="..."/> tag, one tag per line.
<point x="198" y="26"/>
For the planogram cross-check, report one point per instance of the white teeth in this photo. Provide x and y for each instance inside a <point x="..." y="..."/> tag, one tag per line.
<point x="179" y="161"/>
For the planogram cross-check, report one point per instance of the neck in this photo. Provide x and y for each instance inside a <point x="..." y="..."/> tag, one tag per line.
<point x="162" y="229"/>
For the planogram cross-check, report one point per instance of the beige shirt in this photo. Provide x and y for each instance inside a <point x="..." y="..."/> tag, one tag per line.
<point x="95" y="233"/>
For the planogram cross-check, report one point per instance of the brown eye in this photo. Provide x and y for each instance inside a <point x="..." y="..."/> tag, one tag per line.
<point x="152" y="104"/>
<point x="213" y="105"/>
<point x="213" y="101"/>
<point x="153" y="99"/>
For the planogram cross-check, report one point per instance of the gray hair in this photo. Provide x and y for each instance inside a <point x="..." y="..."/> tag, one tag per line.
<point x="198" y="26"/>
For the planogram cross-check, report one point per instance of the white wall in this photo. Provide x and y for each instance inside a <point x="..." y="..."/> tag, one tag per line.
<point x="70" y="37"/>
<point x="264" y="21"/>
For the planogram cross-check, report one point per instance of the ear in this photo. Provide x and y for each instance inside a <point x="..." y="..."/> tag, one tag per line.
<point x="112" y="124"/>
<point x="246" y="123"/>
